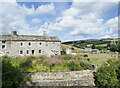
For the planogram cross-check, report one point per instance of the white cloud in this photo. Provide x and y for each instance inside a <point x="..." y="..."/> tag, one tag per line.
<point x="45" y="9"/>
<point x="112" y="24"/>
<point x="106" y="36"/>
<point x="36" y="20"/>
<point x="81" y="19"/>
<point x="85" y="19"/>
<point x="48" y="8"/>
<point x="14" y="17"/>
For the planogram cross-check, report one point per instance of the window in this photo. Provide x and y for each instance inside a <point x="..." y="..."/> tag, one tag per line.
<point x="21" y="52"/>
<point x="3" y="41"/>
<point x="3" y="46"/>
<point x="29" y="44"/>
<point x="40" y="43"/>
<point x="7" y="52"/>
<point x="33" y="52"/>
<point x="46" y="44"/>
<point x="39" y="51"/>
<point x="27" y="51"/>
<point x="21" y="44"/>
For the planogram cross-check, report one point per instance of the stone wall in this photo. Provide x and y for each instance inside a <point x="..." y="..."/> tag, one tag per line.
<point x="73" y="78"/>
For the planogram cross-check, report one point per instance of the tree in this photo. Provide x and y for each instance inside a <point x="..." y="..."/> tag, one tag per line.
<point x="72" y="48"/>
<point x="107" y="75"/>
<point x="11" y="76"/>
<point x="114" y="47"/>
<point x="99" y="47"/>
<point x="93" y="46"/>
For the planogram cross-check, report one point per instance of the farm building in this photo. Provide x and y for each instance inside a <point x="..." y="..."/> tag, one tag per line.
<point x="29" y="45"/>
<point x="68" y="51"/>
<point x="95" y="51"/>
<point x="88" y="49"/>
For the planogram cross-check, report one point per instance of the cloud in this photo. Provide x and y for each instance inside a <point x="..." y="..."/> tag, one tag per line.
<point x="106" y="36"/>
<point x="14" y="16"/>
<point x="112" y="26"/>
<point x="47" y="8"/>
<point x="81" y="20"/>
<point x="86" y="19"/>
<point x="36" y="20"/>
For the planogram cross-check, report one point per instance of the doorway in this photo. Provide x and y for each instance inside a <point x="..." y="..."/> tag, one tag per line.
<point x="33" y="52"/>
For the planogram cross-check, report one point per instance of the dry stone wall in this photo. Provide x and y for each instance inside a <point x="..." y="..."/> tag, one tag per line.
<point x="74" y="78"/>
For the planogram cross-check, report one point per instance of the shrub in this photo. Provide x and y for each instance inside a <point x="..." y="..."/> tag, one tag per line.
<point x="63" y="52"/>
<point x="26" y="65"/>
<point x="85" y="65"/>
<point x="108" y="75"/>
<point x="67" y="57"/>
<point x="59" y="68"/>
<point x="73" y="66"/>
<point x="72" y="48"/>
<point x="11" y="75"/>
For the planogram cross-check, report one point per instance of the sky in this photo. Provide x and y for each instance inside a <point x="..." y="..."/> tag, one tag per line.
<point x="69" y="21"/>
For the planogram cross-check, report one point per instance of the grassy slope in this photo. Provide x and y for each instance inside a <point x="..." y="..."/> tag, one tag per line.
<point x="68" y="46"/>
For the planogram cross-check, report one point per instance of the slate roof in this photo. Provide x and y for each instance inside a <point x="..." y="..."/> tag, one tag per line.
<point x="28" y="38"/>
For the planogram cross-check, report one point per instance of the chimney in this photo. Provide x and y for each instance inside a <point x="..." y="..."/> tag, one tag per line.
<point x="14" y="33"/>
<point x="44" y="33"/>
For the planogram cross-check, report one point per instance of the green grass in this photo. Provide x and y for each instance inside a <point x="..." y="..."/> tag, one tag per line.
<point x="103" y="45"/>
<point x="100" y="58"/>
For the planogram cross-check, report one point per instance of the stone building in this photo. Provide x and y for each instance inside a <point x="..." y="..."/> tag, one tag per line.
<point x="29" y="45"/>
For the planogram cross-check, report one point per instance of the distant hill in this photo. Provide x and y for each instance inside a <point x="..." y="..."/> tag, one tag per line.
<point x="91" y="40"/>
<point x="100" y="43"/>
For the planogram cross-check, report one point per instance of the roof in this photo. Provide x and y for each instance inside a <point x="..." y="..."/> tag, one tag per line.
<point x="28" y="38"/>
<point x="95" y="50"/>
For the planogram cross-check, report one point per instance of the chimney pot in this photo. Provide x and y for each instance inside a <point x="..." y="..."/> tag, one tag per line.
<point x="14" y="33"/>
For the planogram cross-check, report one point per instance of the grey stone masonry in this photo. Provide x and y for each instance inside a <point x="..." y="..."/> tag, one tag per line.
<point x="29" y="45"/>
<point x="73" y="78"/>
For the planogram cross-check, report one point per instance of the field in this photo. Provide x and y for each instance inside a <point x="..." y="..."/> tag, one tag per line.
<point x="100" y="58"/>
<point x="97" y="59"/>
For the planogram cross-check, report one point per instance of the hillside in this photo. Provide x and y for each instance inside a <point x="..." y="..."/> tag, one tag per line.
<point x="99" y="43"/>
<point x="90" y="41"/>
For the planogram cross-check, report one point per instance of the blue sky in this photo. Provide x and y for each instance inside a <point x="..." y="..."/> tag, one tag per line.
<point x="68" y="20"/>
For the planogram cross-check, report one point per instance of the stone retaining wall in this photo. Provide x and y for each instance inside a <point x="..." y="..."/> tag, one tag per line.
<point x="73" y="78"/>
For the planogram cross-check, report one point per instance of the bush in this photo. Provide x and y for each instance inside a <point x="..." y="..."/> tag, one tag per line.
<point x="85" y="65"/>
<point x="108" y="75"/>
<point x="63" y="52"/>
<point x="115" y="47"/>
<point x="73" y="66"/>
<point x="67" y="57"/>
<point x="72" y="48"/>
<point x="11" y="75"/>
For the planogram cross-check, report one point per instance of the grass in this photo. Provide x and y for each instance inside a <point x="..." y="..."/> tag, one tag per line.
<point x="98" y="59"/>
<point x="103" y="45"/>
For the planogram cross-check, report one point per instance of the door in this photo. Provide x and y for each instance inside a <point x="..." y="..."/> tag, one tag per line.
<point x="33" y="52"/>
<point x="68" y="52"/>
